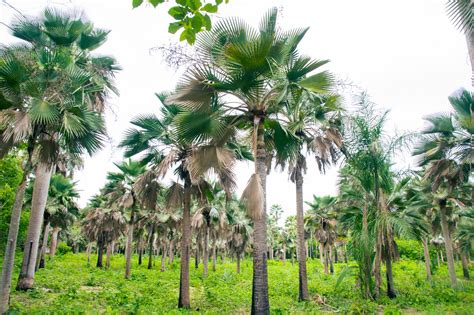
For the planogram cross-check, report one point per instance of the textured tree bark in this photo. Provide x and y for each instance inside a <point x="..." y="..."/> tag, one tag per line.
<point x="260" y="303"/>
<point x="184" y="301"/>
<point x="325" y="255"/>
<point x="196" y="256"/>
<point x="54" y="242"/>
<point x="9" y="258"/>
<point x="331" y="266"/>
<point x="129" y="248"/>
<point x="40" y="262"/>
<point x="38" y="203"/>
<point x="303" y="294"/>
<point x="377" y="265"/>
<point x="321" y="253"/>
<point x="139" y="250"/>
<point x="447" y="242"/>
<point x="88" y="252"/>
<point x="465" y="265"/>
<point x="205" y="255"/>
<point x="426" y="253"/>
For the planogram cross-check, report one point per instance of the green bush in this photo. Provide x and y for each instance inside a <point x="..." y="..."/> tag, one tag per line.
<point x="63" y="248"/>
<point x="410" y="249"/>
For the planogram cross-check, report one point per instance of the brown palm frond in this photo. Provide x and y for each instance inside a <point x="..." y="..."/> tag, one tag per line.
<point x="162" y="168"/>
<point x="17" y="123"/>
<point x="253" y="197"/>
<point x="211" y="158"/>
<point x="174" y="196"/>
<point x="147" y="188"/>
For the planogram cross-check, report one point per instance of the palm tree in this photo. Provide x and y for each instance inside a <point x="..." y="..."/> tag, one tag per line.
<point x="122" y="192"/>
<point x="103" y="226"/>
<point x="447" y="151"/>
<point x="46" y="115"/>
<point x="461" y="13"/>
<point x="240" y="231"/>
<point x="254" y="68"/>
<point x="311" y="119"/>
<point x="157" y="138"/>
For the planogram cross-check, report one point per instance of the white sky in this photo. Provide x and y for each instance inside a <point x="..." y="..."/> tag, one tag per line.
<point x="405" y="53"/>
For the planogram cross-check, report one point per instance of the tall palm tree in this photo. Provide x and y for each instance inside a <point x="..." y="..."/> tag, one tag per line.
<point x="163" y="150"/>
<point x="254" y="68"/>
<point x="121" y="191"/>
<point x="53" y="90"/>
<point x="311" y="119"/>
<point x="447" y="151"/>
<point x="240" y="230"/>
<point x="461" y="13"/>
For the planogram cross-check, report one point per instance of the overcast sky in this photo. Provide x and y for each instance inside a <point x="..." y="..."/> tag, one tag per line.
<point x="405" y="53"/>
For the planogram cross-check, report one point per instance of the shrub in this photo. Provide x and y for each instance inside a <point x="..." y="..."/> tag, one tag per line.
<point x="63" y="248"/>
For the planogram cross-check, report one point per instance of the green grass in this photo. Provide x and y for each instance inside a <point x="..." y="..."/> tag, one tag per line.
<point x="68" y="285"/>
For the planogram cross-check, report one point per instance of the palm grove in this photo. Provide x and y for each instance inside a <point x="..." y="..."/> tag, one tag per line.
<point x="248" y="94"/>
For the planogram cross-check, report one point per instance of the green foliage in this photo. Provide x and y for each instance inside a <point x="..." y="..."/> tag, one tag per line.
<point x="63" y="248"/>
<point x="10" y="177"/>
<point x="192" y="16"/>
<point x="68" y="285"/>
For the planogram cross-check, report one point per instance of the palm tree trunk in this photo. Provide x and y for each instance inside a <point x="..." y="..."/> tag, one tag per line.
<point x="331" y="266"/>
<point x="214" y="254"/>
<point x="238" y="263"/>
<point x="335" y="254"/>
<point x="38" y="203"/>
<point x="283" y="255"/>
<point x="465" y="265"/>
<point x="377" y="265"/>
<point x="426" y="253"/>
<point x="150" y="248"/>
<point x="389" y="273"/>
<point x="171" y="252"/>
<point x="129" y="247"/>
<point x="100" y="249"/>
<point x="184" y="301"/>
<point x="205" y="256"/>
<point x="260" y="303"/>
<point x="324" y="255"/>
<point x="470" y="49"/>
<point x="447" y="242"/>
<point x="9" y="258"/>
<point x="40" y="261"/>
<point x="54" y="242"/>
<point x="139" y="249"/>
<point x="88" y="252"/>
<point x="163" y="257"/>
<point x="196" y="256"/>
<point x="108" y="254"/>
<point x="303" y="294"/>
<point x="321" y="253"/>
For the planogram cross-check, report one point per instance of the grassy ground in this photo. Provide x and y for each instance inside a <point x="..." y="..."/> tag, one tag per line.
<point x="68" y="285"/>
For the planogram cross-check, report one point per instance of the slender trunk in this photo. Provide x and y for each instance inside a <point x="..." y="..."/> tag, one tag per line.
<point x="331" y="266"/>
<point x="470" y="49"/>
<point x="270" y="252"/>
<point x="163" y="257"/>
<point x="139" y="249"/>
<point x="100" y="249"/>
<point x="447" y="242"/>
<point x="54" y="242"/>
<point x="324" y="255"/>
<point x="465" y="265"/>
<point x="88" y="251"/>
<point x="129" y="247"/>
<point x="303" y="294"/>
<point x="171" y="252"/>
<point x="9" y="258"/>
<point x="438" y="260"/>
<point x="335" y="255"/>
<point x="38" y="203"/>
<point x="40" y="262"/>
<point x="238" y="263"/>
<point x="108" y="254"/>
<point x="150" y="248"/>
<point x="389" y="273"/>
<point x="377" y="265"/>
<point x="283" y="255"/>
<point x="214" y="254"/>
<point x="426" y="253"/>
<point x="306" y="247"/>
<point x="184" y="301"/>
<point x="196" y="256"/>
<point x="205" y="246"/>
<point x="321" y="253"/>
